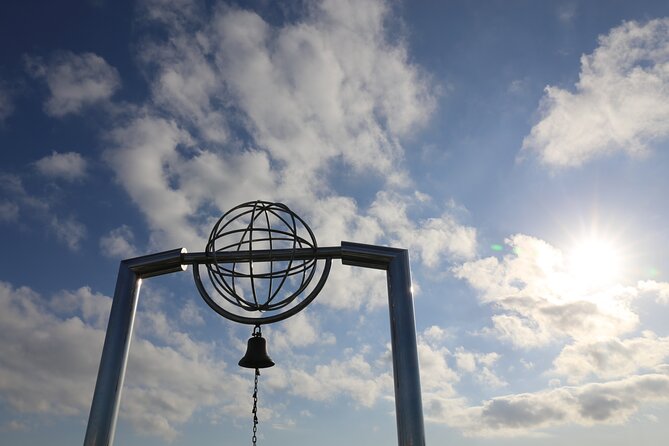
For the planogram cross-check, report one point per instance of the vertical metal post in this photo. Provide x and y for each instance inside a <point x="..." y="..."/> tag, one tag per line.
<point x="408" y="401"/>
<point x="104" y="408"/>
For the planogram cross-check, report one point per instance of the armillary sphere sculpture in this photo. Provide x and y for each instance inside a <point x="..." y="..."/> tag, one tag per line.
<point x="261" y="265"/>
<point x="269" y="291"/>
<point x="265" y="292"/>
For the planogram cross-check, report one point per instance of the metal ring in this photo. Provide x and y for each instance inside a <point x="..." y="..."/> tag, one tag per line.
<point x="261" y="320"/>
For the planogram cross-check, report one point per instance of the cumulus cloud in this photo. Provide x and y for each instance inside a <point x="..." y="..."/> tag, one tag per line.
<point x="537" y="300"/>
<point x="17" y="197"/>
<point x="170" y="188"/>
<point x="47" y="364"/>
<point x="442" y="371"/>
<point x="119" y="243"/>
<point x="433" y="238"/>
<point x="69" y="166"/>
<point x="612" y="358"/>
<point x="354" y="377"/>
<point x="142" y="150"/>
<point x="480" y="365"/>
<point x="50" y="350"/>
<point x="325" y="89"/>
<point x="93" y="307"/>
<point x="68" y="231"/>
<point x="301" y="330"/>
<point x="527" y="413"/>
<point x="190" y="314"/>
<point x="18" y="201"/>
<point x="333" y="71"/>
<point x="620" y="103"/>
<point x="659" y="289"/>
<point x="437" y="377"/>
<point x="75" y="81"/>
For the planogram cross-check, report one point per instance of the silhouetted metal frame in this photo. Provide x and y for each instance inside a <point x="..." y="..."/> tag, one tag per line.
<point x="408" y="402"/>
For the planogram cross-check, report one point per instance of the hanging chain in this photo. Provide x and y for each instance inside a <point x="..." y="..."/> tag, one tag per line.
<point x="255" y="407"/>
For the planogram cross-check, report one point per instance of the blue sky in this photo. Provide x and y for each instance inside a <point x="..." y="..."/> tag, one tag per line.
<point x="518" y="149"/>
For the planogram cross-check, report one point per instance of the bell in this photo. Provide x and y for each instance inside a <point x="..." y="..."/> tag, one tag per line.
<point x="256" y="356"/>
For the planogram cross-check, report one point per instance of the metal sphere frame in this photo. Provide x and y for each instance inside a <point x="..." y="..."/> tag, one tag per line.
<point x="258" y="230"/>
<point x="103" y="415"/>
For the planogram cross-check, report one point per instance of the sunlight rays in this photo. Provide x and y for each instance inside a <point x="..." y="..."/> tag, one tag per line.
<point x="594" y="261"/>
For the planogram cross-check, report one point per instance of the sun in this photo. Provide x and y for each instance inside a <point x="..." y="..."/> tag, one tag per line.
<point x="595" y="261"/>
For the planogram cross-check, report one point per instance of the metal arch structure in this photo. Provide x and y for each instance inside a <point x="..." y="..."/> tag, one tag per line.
<point x="111" y="373"/>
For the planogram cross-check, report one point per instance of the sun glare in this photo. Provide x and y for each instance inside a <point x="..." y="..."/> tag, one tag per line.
<point x="595" y="262"/>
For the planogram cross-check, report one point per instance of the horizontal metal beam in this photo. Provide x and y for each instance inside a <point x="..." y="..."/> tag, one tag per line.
<point x="265" y="255"/>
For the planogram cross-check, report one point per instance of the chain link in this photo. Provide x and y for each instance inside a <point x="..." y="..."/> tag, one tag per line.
<point x="255" y="407"/>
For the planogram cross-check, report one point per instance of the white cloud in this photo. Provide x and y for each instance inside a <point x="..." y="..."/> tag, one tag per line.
<point x="310" y="93"/>
<point x="433" y="239"/>
<point x="176" y="13"/>
<point x="142" y="150"/>
<point x="465" y="360"/>
<point x="330" y="81"/>
<point x="68" y="231"/>
<point x="301" y="330"/>
<point x="119" y="243"/>
<point x="435" y="334"/>
<point x="47" y="364"/>
<point x="612" y="358"/>
<point x="93" y="307"/>
<point x="479" y="365"/>
<point x="441" y="401"/>
<point x="538" y="301"/>
<point x="620" y="103"/>
<point x="68" y="166"/>
<point x="190" y="314"/>
<point x="660" y="289"/>
<point x="188" y="86"/>
<point x="75" y="81"/>
<point x="17" y="196"/>
<point x="50" y="351"/>
<point x="170" y="188"/>
<point x="527" y="413"/>
<point x="436" y="377"/>
<point x="354" y="377"/>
